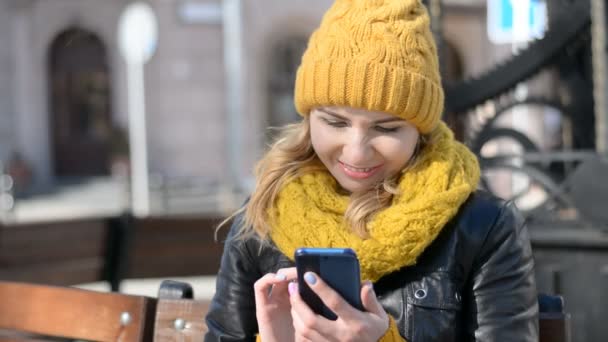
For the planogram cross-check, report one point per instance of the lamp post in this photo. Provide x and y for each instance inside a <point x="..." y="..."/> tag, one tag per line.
<point x="138" y="36"/>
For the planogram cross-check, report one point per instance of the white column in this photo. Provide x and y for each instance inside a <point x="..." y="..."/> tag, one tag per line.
<point x="235" y="71"/>
<point x="600" y="89"/>
<point x="31" y="121"/>
<point x="22" y="72"/>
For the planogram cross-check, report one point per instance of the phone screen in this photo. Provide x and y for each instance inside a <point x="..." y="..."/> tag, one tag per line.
<point x="338" y="267"/>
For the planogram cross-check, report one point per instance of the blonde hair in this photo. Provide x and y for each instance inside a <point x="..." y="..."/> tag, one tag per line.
<point x="291" y="156"/>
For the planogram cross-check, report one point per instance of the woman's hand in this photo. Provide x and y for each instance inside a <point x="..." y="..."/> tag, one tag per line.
<point x="351" y="325"/>
<point x="273" y="306"/>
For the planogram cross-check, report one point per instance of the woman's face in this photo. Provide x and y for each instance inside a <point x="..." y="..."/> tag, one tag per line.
<point x="359" y="147"/>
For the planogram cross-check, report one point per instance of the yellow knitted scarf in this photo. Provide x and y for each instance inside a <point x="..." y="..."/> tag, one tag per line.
<point x="309" y="211"/>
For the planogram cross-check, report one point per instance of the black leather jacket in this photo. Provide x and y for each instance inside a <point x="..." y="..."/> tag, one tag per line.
<point x="475" y="282"/>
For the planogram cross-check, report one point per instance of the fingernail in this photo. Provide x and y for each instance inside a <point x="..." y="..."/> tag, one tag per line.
<point x="291" y="288"/>
<point x="310" y="278"/>
<point x="280" y="276"/>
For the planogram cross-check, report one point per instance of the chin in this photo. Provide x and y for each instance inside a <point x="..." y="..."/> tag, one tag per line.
<point x="351" y="185"/>
<point x="357" y="187"/>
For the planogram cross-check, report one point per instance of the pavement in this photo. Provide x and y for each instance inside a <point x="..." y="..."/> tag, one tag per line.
<point x="107" y="196"/>
<point x="94" y="197"/>
<point x="204" y="286"/>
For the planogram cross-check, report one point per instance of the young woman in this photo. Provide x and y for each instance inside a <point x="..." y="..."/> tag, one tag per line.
<point x="372" y="167"/>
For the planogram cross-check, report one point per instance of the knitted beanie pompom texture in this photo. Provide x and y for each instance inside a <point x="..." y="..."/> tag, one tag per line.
<point x="377" y="55"/>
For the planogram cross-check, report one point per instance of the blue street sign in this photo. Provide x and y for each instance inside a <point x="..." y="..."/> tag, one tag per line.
<point x="502" y="16"/>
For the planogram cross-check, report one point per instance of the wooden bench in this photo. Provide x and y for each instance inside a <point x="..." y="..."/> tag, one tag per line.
<point x="178" y="316"/>
<point x="554" y="323"/>
<point x="31" y="312"/>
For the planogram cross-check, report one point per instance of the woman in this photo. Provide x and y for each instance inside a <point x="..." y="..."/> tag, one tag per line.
<point x="372" y="167"/>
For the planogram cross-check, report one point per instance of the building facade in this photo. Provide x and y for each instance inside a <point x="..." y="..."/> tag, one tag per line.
<point x="222" y="73"/>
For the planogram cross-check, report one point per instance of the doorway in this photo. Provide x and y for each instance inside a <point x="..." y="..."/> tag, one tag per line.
<point x="80" y="107"/>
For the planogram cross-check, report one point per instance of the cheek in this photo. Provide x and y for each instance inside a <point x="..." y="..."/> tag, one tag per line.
<point x="400" y="155"/>
<point x="321" y="142"/>
<point x="398" y="152"/>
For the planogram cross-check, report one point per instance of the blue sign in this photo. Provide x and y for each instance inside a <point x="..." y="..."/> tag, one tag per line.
<point x="513" y="21"/>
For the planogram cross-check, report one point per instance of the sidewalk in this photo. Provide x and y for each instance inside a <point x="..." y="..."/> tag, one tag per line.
<point x="94" y="197"/>
<point x="106" y="196"/>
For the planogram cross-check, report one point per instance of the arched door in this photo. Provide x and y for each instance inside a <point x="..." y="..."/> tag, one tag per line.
<point x="80" y="104"/>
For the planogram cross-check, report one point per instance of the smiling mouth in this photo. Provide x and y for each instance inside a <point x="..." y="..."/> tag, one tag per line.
<point x="359" y="173"/>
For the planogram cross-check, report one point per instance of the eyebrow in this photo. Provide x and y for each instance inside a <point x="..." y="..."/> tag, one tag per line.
<point x="338" y="116"/>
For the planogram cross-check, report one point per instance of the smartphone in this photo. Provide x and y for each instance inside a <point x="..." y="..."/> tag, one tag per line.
<point x="338" y="267"/>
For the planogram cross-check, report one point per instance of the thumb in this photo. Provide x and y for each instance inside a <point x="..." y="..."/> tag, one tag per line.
<point x="369" y="300"/>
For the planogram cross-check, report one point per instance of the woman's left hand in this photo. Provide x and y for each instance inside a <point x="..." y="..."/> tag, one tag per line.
<point x="351" y="325"/>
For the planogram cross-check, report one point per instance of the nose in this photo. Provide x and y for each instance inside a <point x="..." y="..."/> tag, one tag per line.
<point x="357" y="150"/>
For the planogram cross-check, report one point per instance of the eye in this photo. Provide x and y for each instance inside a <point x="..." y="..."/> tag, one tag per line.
<point x="335" y="123"/>
<point x="382" y="129"/>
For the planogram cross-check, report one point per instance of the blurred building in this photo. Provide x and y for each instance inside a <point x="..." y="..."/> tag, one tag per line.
<point x="222" y="73"/>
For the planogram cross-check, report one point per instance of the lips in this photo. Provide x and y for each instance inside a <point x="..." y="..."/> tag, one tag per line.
<point x="358" y="172"/>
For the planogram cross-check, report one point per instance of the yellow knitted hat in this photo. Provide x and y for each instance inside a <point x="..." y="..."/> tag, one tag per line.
<point x="373" y="54"/>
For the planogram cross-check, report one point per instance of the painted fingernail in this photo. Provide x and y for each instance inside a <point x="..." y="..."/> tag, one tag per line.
<point x="291" y="288"/>
<point x="370" y="285"/>
<point x="280" y="276"/>
<point x="310" y="278"/>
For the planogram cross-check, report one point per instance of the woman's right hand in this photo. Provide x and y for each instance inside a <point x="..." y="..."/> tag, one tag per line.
<point x="273" y="308"/>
